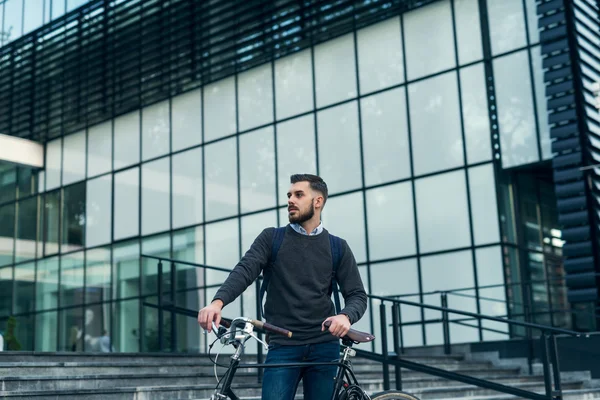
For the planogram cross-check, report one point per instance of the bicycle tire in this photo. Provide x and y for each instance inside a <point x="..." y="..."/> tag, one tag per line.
<point x="393" y="395"/>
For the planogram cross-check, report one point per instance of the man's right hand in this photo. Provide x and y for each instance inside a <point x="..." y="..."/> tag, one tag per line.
<point x="210" y="313"/>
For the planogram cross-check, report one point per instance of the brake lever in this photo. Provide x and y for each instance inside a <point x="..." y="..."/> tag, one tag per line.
<point x="265" y="346"/>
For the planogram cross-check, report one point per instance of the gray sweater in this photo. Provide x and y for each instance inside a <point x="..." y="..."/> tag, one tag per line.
<point x="297" y="296"/>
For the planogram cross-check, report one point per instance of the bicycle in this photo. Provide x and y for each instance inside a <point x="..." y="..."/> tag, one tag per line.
<point x="238" y="331"/>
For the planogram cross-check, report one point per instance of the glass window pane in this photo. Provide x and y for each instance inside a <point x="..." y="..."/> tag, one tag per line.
<point x="490" y="272"/>
<point x="532" y="21"/>
<point x="72" y="322"/>
<point x="468" y="31"/>
<point x="41" y="181"/>
<point x="27" y="181"/>
<point x="257" y="170"/>
<point x="221" y="179"/>
<point x="442" y="212"/>
<point x="13" y="22"/>
<point x="156" y="129"/>
<point x="53" y="163"/>
<point x="296" y="147"/>
<point x="336" y="221"/>
<point x="24" y="287"/>
<point x="98" y="321"/>
<point x="8" y="183"/>
<point x="126" y="200"/>
<point x="255" y="97"/>
<point x="541" y="103"/>
<point x="507" y="25"/>
<point x="187" y="120"/>
<point x="339" y="148"/>
<point x="294" y="84"/>
<point x="429" y="51"/>
<point x="73" y="4"/>
<point x="219" y="109"/>
<point x="188" y="201"/>
<point x="483" y="204"/>
<point x="127" y="140"/>
<point x="46" y="287"/>
<point x="99" y="149"/>
<point x="7" y="234"/>
<point x="435" y="124"/>
<point x="6" y="291"/>
<point x="391" y="221"/>
<point x="99" y="211"/>
<point x="156" y="202"/>
<point x="58" y="8"/>
<point x="1" y="24"/>
<point x="380" y="57"/>
<point x="188" y="245"/>
<point x="27" y="229"/>
<point x="222" y="248"/>
<point x="385" y="137"/>
<point x="97" y="275"/>
<point x="51" y="222"/>
<point x="518" y="139"/>
<point x="127" y="326"/>
<point x="253" y="225"/>
<point x="475" y="114"/>
<point x="73" y="223"/>
<point x="73" y="158"/>
<point x="126" y="269"/>
<point x="46" y="326"/>
<point x="335" y="70"/>
<point x="71" y="282"/>
<point x="34" y="16"/>
<point x="159" y="246"/>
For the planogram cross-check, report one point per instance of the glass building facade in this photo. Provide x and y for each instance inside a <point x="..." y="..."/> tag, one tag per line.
<point x="435" y="144"/>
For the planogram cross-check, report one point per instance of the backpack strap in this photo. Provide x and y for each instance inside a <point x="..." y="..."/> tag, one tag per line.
<point x="278" y="235"/>
<point x="336" y="256"/>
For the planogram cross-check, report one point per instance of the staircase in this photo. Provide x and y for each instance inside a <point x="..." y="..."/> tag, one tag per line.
<point x="44" y="376"/>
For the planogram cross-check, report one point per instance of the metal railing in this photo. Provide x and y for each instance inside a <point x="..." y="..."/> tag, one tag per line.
<point x="550" y="357"/>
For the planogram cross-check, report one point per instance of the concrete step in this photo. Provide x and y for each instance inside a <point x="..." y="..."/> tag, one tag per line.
<point x="572" y="394"/>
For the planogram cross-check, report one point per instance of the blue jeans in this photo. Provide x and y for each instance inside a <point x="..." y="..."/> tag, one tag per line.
<point x="318" y="381"/>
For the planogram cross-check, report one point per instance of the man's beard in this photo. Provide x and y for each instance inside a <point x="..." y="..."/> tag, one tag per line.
<point x="302" y="217"/>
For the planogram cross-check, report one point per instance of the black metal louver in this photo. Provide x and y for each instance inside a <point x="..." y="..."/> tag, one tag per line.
<point x="570" y="35"/>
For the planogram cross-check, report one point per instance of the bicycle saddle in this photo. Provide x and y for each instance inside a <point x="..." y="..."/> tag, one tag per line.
<point x="355" y="336"/>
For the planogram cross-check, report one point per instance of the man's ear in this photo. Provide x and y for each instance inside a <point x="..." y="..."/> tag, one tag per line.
<point x="319" y="202"/>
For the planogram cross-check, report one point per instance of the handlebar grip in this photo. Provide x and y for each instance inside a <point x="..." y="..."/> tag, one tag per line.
<point x="271" y="328"/>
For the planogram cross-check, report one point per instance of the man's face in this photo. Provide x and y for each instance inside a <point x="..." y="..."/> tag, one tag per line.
<point x="301" y="206"/>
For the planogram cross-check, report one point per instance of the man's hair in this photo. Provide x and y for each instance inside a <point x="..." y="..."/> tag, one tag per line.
<point x="316" y="183"/>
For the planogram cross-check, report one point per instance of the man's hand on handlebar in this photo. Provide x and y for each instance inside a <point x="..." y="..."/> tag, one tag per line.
<point x="340" y="325"/>
<point x="210" y="313"/>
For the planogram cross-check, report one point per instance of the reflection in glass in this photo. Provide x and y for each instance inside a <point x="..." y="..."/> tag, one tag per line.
<point x="442" y="212"/>
<point x="27" y="229"/>
<point x="295" y="148"/>
<point x="74" y="158"/>
<point x="385" y="137"/>
<point x="71" y="279"/>
<point x="156" y="130"/>
<point x="468" y="31"/>
<point x="156" y="200"/>
<point x="380" y="66"/>
<point x="222" y="248"/>
<point x="335" y="70"/>
<point x="127" y="326"/>
<point x="126" y="269"/>
<point x="24" y="287"/>
<point x="540" y="100"/>
<point x="429" y="50"/>
<point x="99" y="211"/>
<point x="72" y="322"/>
<point x="159" y="246"/>
<point x="99" y="149"/>
<point x="13" y="14"/>
<point x="391" y="221"/>
<point x="221" y="179"/>
<point x="53" y="163"/>
<point x="6" y="291"/>
<point x="293" y="84"/>
<point x="7" y="233"/>
<point x="532" y="21"/>
<point x="8" y="182"/>
<point x="507" y="25"/>
<point x="253" y="225"/>
<point x="188" y="201"/>
<point x="339" y="148"/>
<point x="24" y="332"/>
<point x="518" y="139"/>
<point x="219" y="109"/>
<point x="435" y="124"/>
<point x="483" y="204"/>
<point x="28" y="181"/>
<point x="476" y="120"/>
<point x="187" y="120"/>
<point x="126" y="200"/>
<point x="340" y="217"/>
<point x="51" y="222"/>
<point x="127" y="140"/>
<point x="46" y="287"/>
<point x="97" y="328"/>
<point x="490" y="273"/>
<point x="255" y="97"/>
<point x="257" y="170"/>
<point x="97" y="275"/>
<point x="73" y="224"/>
<point x="46" y="327"/>
<point x="188" y="245"/>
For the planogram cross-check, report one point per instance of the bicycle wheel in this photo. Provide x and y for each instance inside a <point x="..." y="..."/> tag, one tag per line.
<point x="393" y="395"/>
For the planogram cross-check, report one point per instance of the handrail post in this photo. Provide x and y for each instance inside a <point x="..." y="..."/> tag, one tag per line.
<point x="396" y="329"/>
<point x="528" y="331"/>
<point x="445" y="323"/>
<point x="173" y="300"/>
<point x="555" y="367"/>
<point x="384" y="348"/>
<point x="259" y="355"/>
<point x="546" y="364"/>
<point x="161" y="339"/>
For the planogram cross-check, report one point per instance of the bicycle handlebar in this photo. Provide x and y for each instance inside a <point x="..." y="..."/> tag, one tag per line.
<point x="264" y="326"/>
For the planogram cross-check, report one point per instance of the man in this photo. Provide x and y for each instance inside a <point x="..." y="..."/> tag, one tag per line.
<point x="298" y="296"/>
